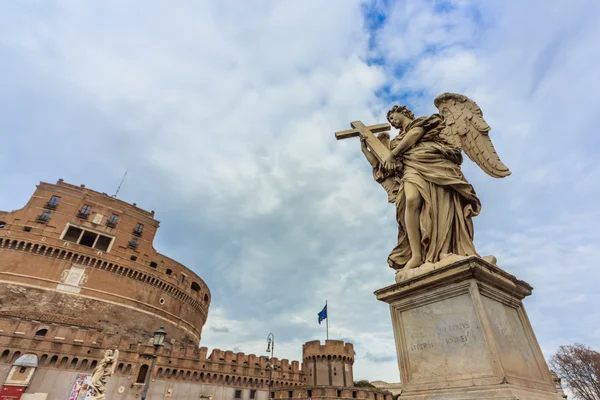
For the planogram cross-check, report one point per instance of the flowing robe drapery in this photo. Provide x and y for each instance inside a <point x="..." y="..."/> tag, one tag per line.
<point x="449" y="203"/>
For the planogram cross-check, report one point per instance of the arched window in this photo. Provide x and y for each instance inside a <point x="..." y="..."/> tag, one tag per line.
<point x="2" y="224"/>
<point x="169" y="271"/>
<point x="4" y="356"/>
<point x="41" y="332"/>
<point x="153" y="264"/>
<point x="141" y="378"/>
<point x="205" y="297"/>
<point x="16" y="355"/>
<point x="195" y="287"/>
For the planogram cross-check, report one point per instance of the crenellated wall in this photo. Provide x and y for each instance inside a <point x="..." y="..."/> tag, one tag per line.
<point x="77" y="349"/>
<point x="328" y="392"/>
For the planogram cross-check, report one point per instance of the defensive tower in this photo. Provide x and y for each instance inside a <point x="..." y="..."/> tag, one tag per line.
<point x="329" y="364"/>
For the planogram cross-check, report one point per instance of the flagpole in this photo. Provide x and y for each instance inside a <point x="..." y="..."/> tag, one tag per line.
<point x="327" y="320"/>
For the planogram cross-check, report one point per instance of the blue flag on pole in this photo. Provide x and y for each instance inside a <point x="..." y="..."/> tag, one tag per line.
<point x="323" y="314"/>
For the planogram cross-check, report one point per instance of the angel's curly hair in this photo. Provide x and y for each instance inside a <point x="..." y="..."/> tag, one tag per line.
<point x="401" y="110"/>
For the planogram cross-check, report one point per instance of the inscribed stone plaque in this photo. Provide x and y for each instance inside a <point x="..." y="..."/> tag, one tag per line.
<point x="72" y="279"/>
<point x="515" y="348"/>
<point x="444" y="340"/>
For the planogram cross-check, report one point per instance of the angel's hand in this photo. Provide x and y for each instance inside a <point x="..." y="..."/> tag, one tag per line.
<point x="389" y="163"/>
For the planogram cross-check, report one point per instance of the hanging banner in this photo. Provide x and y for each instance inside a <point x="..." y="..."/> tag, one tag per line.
<point x="11" y="392"/>
<point x="81" y="388"/>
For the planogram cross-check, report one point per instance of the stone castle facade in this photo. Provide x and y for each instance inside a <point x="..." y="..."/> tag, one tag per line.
<point x="79" y="274"/>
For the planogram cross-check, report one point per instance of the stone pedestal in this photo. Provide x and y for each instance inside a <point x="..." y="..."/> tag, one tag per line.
<point x="461" y="332"/>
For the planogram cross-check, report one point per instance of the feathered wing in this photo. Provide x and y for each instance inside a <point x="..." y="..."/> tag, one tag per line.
<point x="466" y="129"/>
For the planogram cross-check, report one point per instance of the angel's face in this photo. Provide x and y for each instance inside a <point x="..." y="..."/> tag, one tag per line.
<point x="397" y="120"/>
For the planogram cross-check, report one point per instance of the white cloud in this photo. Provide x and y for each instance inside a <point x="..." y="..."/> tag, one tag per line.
<point x="225" y="112"/>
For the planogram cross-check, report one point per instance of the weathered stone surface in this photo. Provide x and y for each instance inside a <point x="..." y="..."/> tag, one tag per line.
<point x="461" y="332"/>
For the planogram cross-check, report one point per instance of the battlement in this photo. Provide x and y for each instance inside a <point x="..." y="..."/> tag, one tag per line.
<point x="334" y="349"/>
<point x="59" y="346"/>
<point x="331" y="392"/>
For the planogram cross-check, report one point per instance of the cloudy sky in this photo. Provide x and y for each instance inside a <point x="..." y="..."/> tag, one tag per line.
<point x="223" y="113"/>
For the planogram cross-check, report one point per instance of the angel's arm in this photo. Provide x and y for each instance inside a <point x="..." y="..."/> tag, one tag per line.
<point x="408" y="141"/>
<point x="368" y="155"/>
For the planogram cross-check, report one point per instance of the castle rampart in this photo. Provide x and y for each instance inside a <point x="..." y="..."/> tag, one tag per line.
<point x="77" y="349"/>
<point x="329" y="364"/>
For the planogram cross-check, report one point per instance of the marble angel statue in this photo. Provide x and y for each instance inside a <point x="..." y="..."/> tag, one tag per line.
<point x="104" y="369"/>
<point x="422" y="176"/>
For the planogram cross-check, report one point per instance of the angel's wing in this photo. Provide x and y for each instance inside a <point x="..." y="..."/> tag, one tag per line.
<point x="466" y="128"/>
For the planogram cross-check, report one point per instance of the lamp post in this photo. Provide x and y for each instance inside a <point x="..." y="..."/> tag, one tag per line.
<point x="270" y="366"/>
<point x="271" y="344"/>
<point x="159" y="339"/>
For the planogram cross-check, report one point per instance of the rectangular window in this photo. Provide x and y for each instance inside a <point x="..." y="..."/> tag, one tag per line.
<point x="112" y="221"/>
<point x="253" y="394"/>
<point x="238" y="394"/>
<point x="103" y="243"/>
<point x="339" y="393"/>
<point x="86" y="209"/>
<point x="182" y="277"/>
<point x="138" y="229"/>
<point x="290" y="394"/>
<point x="84" y="213"/>
<point x="309" y="393"/>
<point x="54" y="200"/>
<point x="354" y="394"/>
<point x="73" y="234"/>
<point x="133" y="243"/>
<point x="88" y="238"/>
<point x="44" y="216"/>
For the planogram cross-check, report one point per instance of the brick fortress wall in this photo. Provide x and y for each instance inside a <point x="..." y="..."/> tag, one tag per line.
<point x="79" y="350"/>
<point x="116" y="286"/>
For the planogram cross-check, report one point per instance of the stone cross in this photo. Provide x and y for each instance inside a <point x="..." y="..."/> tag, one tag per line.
<point x="377" y="148"/>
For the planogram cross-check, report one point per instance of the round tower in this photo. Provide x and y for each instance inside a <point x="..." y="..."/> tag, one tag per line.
<point x="79" y="258"/>
<point x="329" y="364"/>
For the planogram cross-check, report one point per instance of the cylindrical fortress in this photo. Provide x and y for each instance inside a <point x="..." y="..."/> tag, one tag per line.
<point x="329" y="364"/>
<point x="78" y="257"/>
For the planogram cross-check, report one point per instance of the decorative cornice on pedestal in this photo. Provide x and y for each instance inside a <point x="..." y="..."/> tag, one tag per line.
<point x="434" y="275"/>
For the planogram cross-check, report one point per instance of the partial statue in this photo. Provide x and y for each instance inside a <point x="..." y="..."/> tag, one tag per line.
<point x="104" y="370"/>
<point x="420" y="171"/>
